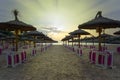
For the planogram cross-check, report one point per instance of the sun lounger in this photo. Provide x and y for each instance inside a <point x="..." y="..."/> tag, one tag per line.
<point x="13" y="58"/>
<point x="101" y="58"/>
<point x="34" y="52"/>
<point x="118" y="49"/>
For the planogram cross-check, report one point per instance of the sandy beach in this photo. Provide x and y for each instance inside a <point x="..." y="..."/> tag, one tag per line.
<point x="59" y="63"/>
<point x="59" y="40"/>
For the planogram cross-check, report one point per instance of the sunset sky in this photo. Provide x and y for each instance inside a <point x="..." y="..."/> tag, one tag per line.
<point x="57" y="18"/>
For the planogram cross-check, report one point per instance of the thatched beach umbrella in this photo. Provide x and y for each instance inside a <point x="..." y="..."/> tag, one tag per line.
<point x="85" y="40"/>
<point x="49" y="40"/>
<point x="117" y="33"/>
<point x="17" y="26"/>
<point x="23" y="38"/>
<point x="114" y="40"/>
<point x="35" y="34"/>
<point x="7" y="33"/>
<point x="2" y="35"/>
<point x="45" y="39"/>
<point x="72" y="38"/>
<point x="100" y="23"/>
<point x="12" y="38"/>
<point x="105" y="37"/>
<point x="79" y="32"/>
<point x="89" y="39"/>
<point x="63" y="39"/>
<point x="66" y="38"/>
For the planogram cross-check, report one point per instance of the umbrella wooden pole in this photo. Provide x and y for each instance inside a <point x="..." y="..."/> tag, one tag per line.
<point x="79" y="40"/>
<point x="104" y="42"/>
<point x="86" y="43"/>
<point x="104" y="37"/>
<point x="2" y="43"/>
<point x="29" y="43"/>
<point x="45" y="44"/>
<point x="42" y="45"/>
<point x="68" y="42"/>
<point x="72" y="41"/>
<point x="16" y="39"/>
<point x="34" y="42"/>
<point x="93" y="42"/>
<point x="99" y="32"/>
<point x="65" y="43"/>
<point x="13" y="43"/>
<point x="24" y="43"/>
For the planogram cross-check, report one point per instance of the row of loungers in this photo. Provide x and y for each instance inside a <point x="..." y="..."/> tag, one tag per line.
<point x="103" y="58"/>
<point x="14" y="58"/>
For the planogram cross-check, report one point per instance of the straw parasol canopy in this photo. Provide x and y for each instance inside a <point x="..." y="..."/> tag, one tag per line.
<point x="23" y="37"/>
<point x="114" y="40"/>
<point x="99" y="23"/>
<point x="35" y="34"/>
<point x="72" y="38"/>
<point x="117" y="33"/>
<point x="49" y="40"/>
<point x="105" y="37"/>
<point x="45" y="39"/>
<point x="85" y="40"/>
<point x="17" y="26"/>
<point x="7" y="33"/>
<point x="90" y="39"/>
<point x="2" y="35"/>
<point x="79" y="32"/>
<point x="63" y="39"/>
<point x="66" y="38"/>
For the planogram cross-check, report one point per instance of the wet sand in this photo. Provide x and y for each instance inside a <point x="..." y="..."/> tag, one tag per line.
<point x="59" y="63"/>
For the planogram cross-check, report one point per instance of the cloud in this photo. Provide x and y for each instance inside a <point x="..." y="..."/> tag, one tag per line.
<point x="52" y="29"/>
<point x="52" y="32"/>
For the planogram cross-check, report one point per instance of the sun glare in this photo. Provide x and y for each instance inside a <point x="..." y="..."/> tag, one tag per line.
<point x="57" y="21"/>
<point x="60" y="27"/>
